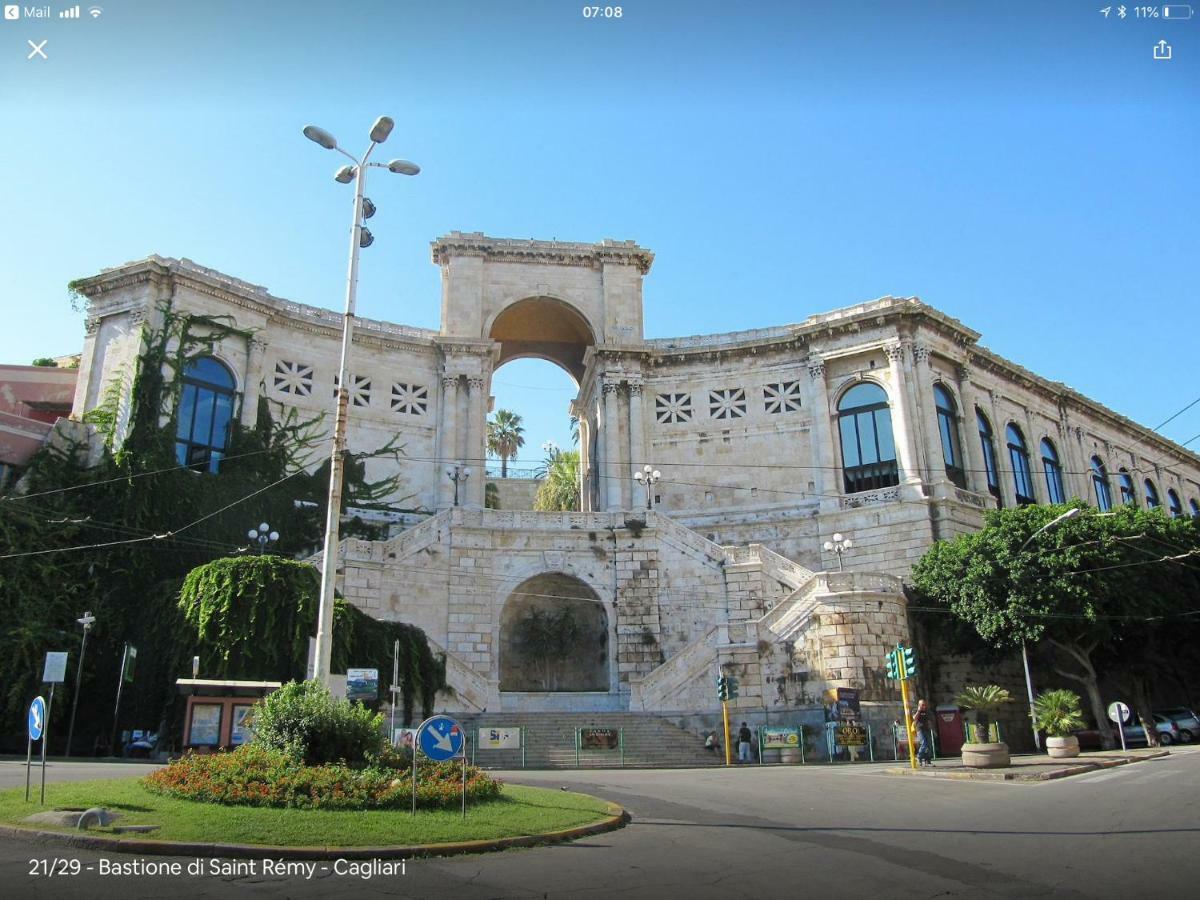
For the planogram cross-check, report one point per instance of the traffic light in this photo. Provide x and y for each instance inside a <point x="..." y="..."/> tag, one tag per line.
<point x="892" y="673"/>
<point x="910" y="662"/>
<point x="722" y="688"/>
<point x="733" y="688"/>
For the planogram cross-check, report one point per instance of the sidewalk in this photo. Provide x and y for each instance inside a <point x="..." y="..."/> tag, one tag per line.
<point x="1032" y="767"/>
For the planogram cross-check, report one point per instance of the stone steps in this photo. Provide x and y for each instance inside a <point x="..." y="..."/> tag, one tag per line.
<point x="649" y="741"/>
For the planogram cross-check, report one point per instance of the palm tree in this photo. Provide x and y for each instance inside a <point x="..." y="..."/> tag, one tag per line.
<point x="559" y="489"/>
<point x="986" y="701"/>
<point x="505" y="436"/>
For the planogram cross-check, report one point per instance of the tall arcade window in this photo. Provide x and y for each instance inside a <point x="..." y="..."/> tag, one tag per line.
<point x="1152" y="501"/>
<point x="989" y="456"/>
<point x="1100" y="483"/>
<point x="205" y="414"/>
<point x="1128" y="494"/>
<point x="1173" y="504"/>
<point x="948" y="429"/>
<point x="1195" y="505"/>
<point x="1018" y="455"/>
<point x="868" y="447"/>
<point x="1053" y="470"/>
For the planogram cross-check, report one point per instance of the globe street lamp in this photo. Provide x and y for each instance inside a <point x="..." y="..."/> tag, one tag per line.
<point x="359" y="237"/>
<point x="264" y="535"/>
<point x="87" y="620"/>
<point x="839" y="545"/>
<point x="457" y="474"/>
<point x="648" y="477"/>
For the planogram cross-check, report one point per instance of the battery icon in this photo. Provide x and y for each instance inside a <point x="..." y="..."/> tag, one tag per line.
<point x="1177" y="12"/>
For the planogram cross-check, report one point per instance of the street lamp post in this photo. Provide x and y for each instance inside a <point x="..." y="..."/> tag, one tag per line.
<point x="1053" y="523"/>
<point x="457" y="474"/>
<point x="360" y="237"/>
<point x="263" y="535"/>
<point x="839" y="545"/>
<point x="648" y="477"/>
<point x="87" y="620"/>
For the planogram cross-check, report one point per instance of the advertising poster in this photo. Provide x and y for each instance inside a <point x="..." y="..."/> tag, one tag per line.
<point x="241" y="731"/>
<point x="404" y="737"/>
<point x="362" y="685"/>
<point x="779" y="738"/>
<point x="206" y="724"/>
<point x="599" y="739"/>
<point x="499" y="739"/>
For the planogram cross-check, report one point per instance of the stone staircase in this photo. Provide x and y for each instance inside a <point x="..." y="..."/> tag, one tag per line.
<point x="650" y="741"/>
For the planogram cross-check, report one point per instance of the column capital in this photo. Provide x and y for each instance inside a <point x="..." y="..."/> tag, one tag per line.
<point x="894" y="352"/>
<point x="963" y="371"/>
<point x="449" y="381"/>
<point x="475" y="383"/>
<point x="92" y="324"/>
<point x="609" y="387"/>
<point x="922" y="354"/>
<point x="816" y="368"/>
<point x="635" y="387"/>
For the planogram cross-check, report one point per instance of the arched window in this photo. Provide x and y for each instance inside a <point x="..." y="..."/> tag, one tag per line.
<point x="1053" y="470"/>
<point x="868" y="447"/>
<point x="1195" y="505"/>
<point x="1128" y="494"/>
<point x="1018" y="455"/>
<point x="1174" y="505"/>
<point x="205" y="414"/>
<point x="1100" y="483"/>
<point x="948" y="429"/>
<point x="1152" y="501"/>
<point x="989" y="455"/>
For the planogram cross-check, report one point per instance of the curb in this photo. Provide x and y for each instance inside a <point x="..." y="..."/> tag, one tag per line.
<point x="617" y="817"/>
<point x="1081" y="768"/>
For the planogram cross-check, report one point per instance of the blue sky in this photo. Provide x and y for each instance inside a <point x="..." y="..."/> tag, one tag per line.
<point x="1027" y="167"/>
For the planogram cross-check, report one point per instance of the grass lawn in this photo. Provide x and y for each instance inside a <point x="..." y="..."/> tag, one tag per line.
<point x="519" y="810"/>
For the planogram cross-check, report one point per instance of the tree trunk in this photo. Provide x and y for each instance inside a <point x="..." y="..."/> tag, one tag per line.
<point x="1091" y="685"/>
<point x="1141" y="705"/>
<point x="503" y="466"/>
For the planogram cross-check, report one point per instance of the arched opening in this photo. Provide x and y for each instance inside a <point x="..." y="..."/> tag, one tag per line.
<point x="205" y="414"/>
<point x="868" y="448"/>
<point x="553" y="637"/>
<point x="544" y="328"/>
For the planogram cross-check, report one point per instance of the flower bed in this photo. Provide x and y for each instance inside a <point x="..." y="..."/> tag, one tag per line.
<point x="255" y="776"/>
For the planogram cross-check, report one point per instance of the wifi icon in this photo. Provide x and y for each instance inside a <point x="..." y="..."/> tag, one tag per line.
<point x="94" y="11"/>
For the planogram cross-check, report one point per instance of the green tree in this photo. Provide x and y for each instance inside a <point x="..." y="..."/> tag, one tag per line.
<point x="505" y="436"/>
<point x="559" y="489"/>
<point x="44" y="362"/>
<point x="986" y="700"/>
<point x="1102" y="592"/>
<point x="548" y="638"/>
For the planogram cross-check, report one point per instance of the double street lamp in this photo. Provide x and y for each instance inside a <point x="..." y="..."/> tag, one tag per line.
<point x="647" y="478"/>
<point x="839" y="545"/>
<point x="360" y="237"/>
<point x="458" y="473"/>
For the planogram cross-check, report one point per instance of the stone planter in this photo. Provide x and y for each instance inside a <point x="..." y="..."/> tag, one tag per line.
<point x="1062" y="747"/>
<point x="985" y="756"/>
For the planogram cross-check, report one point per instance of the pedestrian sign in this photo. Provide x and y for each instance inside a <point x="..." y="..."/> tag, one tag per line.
<point x="440" y="738"/>
<point x="37" y="718"/>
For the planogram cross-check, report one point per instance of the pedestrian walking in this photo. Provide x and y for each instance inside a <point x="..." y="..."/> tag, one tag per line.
<point x="923" y="726"/>
<point x="744" y="743"/>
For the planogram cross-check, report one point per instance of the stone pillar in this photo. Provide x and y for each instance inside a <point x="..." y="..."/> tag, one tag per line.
<point x="1077" y="477"/>
<point x="1037" y="473"/>
<point x="826" y="475"/>
<point x="476" y="452"/>
<point x="255" y="352"/>
<point x="935" y="457"/>
<point x="902" y="430"/>
<point x="447" y="440"/>
<point x="1004" y="473"/>
<point x="638" y="451"/>
<point x="968" y="433"/>
<point x="612" y="471"/>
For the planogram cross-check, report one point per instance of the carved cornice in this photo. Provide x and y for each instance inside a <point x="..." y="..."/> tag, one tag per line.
<point x="555" y="253"/>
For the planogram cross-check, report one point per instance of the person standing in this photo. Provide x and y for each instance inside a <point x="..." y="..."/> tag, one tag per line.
<point x="923" y="726"/>
<point x="744" y="743"/>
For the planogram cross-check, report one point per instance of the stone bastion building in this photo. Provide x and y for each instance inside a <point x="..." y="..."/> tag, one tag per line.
<point x="885" y="421"/>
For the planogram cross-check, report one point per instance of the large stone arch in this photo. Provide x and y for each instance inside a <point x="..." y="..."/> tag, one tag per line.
<point x="543" y="328"/>
<point x="537" y="650"/>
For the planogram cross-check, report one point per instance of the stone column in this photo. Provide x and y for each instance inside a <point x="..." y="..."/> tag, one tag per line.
<point x="1077" y="478"/>
<point x="1037" y="473"/>
<point x="255" y="351"/>
<point x="638" y="451"/>
<point x="611" y="469"/>
<point x="935" y="457"/>
<point x="447" y="440"/>
<point x="902" y="431"/>
<point x="968" y="433"/>
<point x="476" y="452"/>
<point x="826" y="474"/>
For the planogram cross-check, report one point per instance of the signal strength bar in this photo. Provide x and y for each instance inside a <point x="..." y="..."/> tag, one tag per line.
<point x="72" y="13"/>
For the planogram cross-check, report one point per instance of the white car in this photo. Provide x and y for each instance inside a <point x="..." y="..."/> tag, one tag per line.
<point x="1188" y="722"/>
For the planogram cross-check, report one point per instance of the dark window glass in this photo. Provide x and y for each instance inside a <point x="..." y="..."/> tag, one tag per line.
<point x="1018" y="455"/>
<point x="205" y="414"/>
<point x="1100" y="483"/>
<point x="1053" y="470"/>
<point x="1151" y="495"/>
<point x="948" y="429"/>
<point x="1195" y="505"/>
<point x="1174" y="505"/>
<point x="868" y="449"/>
<point x="1128" y="494"/>
<point x="989" y="456"/>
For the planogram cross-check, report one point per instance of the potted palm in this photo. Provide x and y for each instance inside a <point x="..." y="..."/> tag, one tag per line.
<point x="985" y="701"/>
<point x="1058" y="714"/>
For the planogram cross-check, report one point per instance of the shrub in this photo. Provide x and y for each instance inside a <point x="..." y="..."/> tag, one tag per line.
<point x="986" y="700"/>
<point x="304" y="721"/>
<point x="256" y="776"/>
<point x="1058" y="712"/>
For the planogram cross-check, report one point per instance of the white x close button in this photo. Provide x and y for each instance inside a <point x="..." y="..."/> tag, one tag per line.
<point x="38" y="49"/>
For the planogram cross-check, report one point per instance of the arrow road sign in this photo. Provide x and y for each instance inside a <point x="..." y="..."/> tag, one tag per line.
<point x="37" y="718"/>
<point x="440" y="738"/>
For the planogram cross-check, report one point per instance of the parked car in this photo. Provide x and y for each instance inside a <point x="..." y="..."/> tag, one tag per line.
<point x="1168" y="733"/>
<point x="1188" y="722"/>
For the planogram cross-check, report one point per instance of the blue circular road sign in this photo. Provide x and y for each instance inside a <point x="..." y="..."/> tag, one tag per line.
<point x="440" y="738"/>
<point x="37" y="718"/>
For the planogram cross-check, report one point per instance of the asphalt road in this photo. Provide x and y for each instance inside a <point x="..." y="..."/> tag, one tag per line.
<point x="817" y="831"/>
